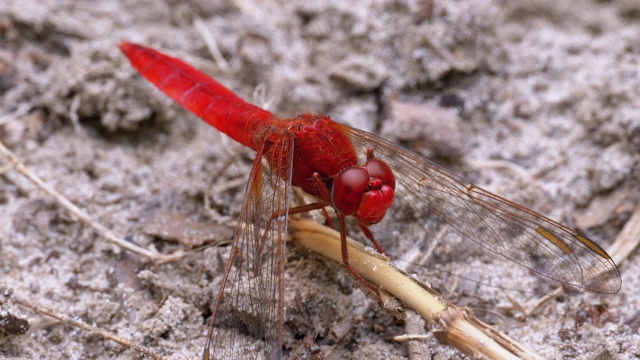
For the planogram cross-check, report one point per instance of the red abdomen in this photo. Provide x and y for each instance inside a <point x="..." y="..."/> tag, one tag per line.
<point x="200" y="94"/>
<point x="320" y="146"/>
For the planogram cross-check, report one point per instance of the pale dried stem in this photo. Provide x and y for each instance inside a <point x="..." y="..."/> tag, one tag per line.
<point x="458" y="326"/>
<point x="541" y="301"/>
<point x="210" y="41"/>
<point x="83" y="216"/>
<point x="417" y="347"/>
<point x="628" y="239"/>
<point x="93" y="329"/>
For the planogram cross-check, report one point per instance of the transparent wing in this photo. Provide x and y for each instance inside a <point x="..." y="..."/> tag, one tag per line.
<point x="248" y="315"/>
<point x="482" y="225"/>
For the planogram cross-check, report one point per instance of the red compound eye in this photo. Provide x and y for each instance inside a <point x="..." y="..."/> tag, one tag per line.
<point x="348" y="189"/>
<point x="378" y="197"/>
<point x="378" y="169"/>
<point x="366" y="192"/>
<point x="374" y="204"/>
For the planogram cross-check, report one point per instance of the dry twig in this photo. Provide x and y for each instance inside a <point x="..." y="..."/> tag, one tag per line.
<point x="83" y="216"/>
<point x="458" y="326"/>
<point x="209" y="40"/>
<point x="93" y="329"/>
<point x="627" y="240"/>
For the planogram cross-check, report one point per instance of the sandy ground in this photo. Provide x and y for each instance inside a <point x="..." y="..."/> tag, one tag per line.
<point x="542" y="105"/>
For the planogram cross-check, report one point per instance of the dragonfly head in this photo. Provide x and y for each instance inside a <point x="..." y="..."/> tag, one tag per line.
<point x="365" y="192"/>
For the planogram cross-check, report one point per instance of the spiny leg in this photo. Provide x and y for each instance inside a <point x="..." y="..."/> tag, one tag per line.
<point x="296" y="210"/>
<point x="365" y="230"/>
<point x="328" y="218"/>
<point x="363" y="227"/>
<point x="345" y="258"/>
<point x="343" y="239"/>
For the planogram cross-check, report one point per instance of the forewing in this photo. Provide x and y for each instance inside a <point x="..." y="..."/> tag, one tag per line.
<point x="249" y="316"/>
<point x="431" y="203"/>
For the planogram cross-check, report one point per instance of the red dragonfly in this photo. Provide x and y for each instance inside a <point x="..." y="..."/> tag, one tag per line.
<point x="360" y="176"/>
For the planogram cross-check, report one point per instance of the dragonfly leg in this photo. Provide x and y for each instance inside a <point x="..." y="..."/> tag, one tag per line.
<point x="275" y="215"/>
<point x="345" y="259"/>
<point x="343" y="234"/>
<point x="324" y="194"/>
<point x="328" y="218"/>
<point x="365" y="230"/>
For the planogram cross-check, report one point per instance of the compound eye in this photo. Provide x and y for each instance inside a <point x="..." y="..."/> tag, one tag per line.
<point x="378" y="169"/>
<point x="348" y="189"/>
